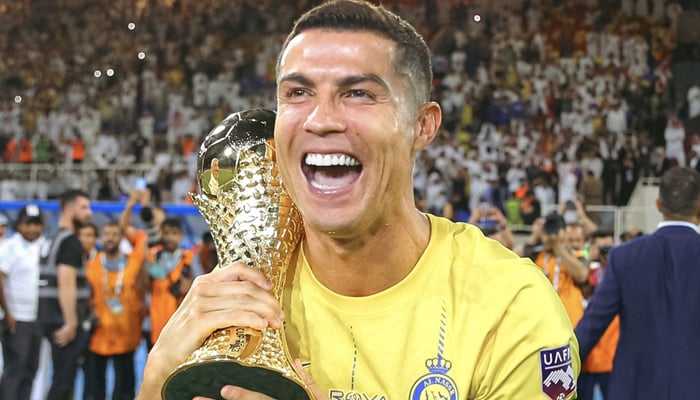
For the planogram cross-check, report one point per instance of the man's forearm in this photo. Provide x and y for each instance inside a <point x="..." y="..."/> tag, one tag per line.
<point x="153" y="380"/>
<point x="67" y="294"/>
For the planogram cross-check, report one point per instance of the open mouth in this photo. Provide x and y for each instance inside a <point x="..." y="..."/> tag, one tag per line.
<point x="331" y="171"/>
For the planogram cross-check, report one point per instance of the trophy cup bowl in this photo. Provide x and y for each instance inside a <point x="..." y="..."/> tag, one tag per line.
<point x="253" y="220"/>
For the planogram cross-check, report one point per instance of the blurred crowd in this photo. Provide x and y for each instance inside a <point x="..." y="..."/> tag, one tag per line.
<point x="544" y="101"/>
<point x="548" y="105"/>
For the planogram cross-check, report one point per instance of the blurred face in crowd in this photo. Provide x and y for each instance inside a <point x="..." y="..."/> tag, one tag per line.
<point x="346" y="131"/>
<point x="171" y="237"/>
<point x="88" y="237"/>
<point x="598" y="243"/>
<point x="30" y="230"/>
<point x="79" y="211"/>
<point x="575" y="237"/>
<point x="111" y="237"/>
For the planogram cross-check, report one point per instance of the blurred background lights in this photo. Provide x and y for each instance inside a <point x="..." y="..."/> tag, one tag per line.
<point x="110" y="72"/>
<point x="97" y="73"/>
<point x="131" y="26"/>
<point x="141" y="55"/>
<point x="18" y="99"/>
<point x="477" y="18"/>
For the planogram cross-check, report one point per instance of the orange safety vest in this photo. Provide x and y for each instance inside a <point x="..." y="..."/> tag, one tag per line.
<point x="163" y="303"/>
<point x="78" y="150"/>
<point x="116" y="333"/>
<point x="600" y="359"/>
<point x="25" y="152"/>
<point x="10" y="149"/>
<point x="564" y="284"/>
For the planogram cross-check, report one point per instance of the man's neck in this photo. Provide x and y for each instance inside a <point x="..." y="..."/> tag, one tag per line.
<point x="66" y="223"/>
<point x="367" y="265"/>
<point x="114" y="255"/>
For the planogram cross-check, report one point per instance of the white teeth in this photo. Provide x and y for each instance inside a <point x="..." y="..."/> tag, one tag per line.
<point x="331" y="160"/>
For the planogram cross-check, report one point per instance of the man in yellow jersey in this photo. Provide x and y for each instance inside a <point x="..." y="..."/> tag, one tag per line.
<point x="386" y="302"/>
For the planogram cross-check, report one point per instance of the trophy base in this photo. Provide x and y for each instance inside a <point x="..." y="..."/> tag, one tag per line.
<point x="207" y="379"/>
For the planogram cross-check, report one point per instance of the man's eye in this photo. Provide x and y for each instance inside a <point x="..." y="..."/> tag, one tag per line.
<point x="358" y="93"/>
<point x="297" y="92"/>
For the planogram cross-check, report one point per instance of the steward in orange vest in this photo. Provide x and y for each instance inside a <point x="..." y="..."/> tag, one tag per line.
<point x="169" y="268"/>
<point x="118" y="304"/>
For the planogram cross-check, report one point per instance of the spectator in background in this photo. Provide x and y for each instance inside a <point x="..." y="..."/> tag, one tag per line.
<point x="204" y="255"/>
<point x="630" y="234"/>
<point x="576" y="238"/>
<point x="564" y="269"/>
<point x="19" y="282"/>
<point x="596" y="368"/>
<point x="652" y="283"/>
<point x="169" y="270"/>
<point x="693" y="98"/>
<point x="3" y="228"/>
<point x="675" y="138"/>
<point x="118" y="304"/>
<point x="492" y="223"/>
<point x="530" y="208"/>
<point x="64" y="293"/>
<point x="88" y="234"/>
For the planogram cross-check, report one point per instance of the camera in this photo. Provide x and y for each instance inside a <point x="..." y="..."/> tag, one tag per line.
<point x="570" y="205"/>
<point x="604" y="250"/>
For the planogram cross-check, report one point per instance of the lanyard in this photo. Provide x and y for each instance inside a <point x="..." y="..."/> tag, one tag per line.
<point x="557" y="271"/>
<point x="120" y="275"/>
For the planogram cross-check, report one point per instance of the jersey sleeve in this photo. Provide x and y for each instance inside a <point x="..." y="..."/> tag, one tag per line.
<point x="533" y="352"/>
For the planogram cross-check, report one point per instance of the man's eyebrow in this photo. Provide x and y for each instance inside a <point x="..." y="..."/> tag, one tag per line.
<point x="297" y="78"/>
<point x="362" y="78"/>
<point x="342" y="82"/>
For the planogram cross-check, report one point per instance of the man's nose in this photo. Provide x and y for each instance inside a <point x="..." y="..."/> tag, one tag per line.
<point x="327" y="116"/>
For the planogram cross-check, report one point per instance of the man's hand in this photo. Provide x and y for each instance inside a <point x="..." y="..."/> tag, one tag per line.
<point x="10" y="322"/>
<point x="65" y="334"/>
<point x="235" y="295"/>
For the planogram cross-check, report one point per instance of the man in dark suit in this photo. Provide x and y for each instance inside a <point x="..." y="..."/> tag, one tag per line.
<point x="653" y="284"/>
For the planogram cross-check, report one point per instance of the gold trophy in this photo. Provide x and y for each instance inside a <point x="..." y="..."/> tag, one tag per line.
<point x="253" y="220"/>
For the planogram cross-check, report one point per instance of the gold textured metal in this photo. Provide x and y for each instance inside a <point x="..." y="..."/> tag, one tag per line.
<point x="253" y="220"/>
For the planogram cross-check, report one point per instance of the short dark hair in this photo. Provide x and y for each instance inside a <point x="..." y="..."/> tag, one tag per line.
<point x="602" y="234"/>
<point x="172" y="222"/>
<point x="90" y="225"/>
<point x="114" y="224"/>
<point x="413" y="55"/>
<point x="70" y="195"/>
<point x="679" y="192"/>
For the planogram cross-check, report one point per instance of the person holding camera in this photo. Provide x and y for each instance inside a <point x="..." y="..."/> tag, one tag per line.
<point x="566" y="270"/>
<point x="597" y="367"/>
<point x="492" y="223"/>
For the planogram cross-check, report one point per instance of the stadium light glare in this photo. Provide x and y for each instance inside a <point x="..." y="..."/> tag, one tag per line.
<point x="97" y="73"/>
<point x="110" y="72"/>
<point x="131" y="26"/>
<point x="141" y="55"/>
<point x="477" y="18"/>
<point x="18" y="99"/>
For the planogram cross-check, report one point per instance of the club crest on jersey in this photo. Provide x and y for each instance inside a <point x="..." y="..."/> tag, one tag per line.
<point x="436" y="384"/>
<point x="557" y="372"/>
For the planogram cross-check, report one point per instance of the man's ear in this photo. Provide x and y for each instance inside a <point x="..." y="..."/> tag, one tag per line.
<point x="427" y="125"/>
